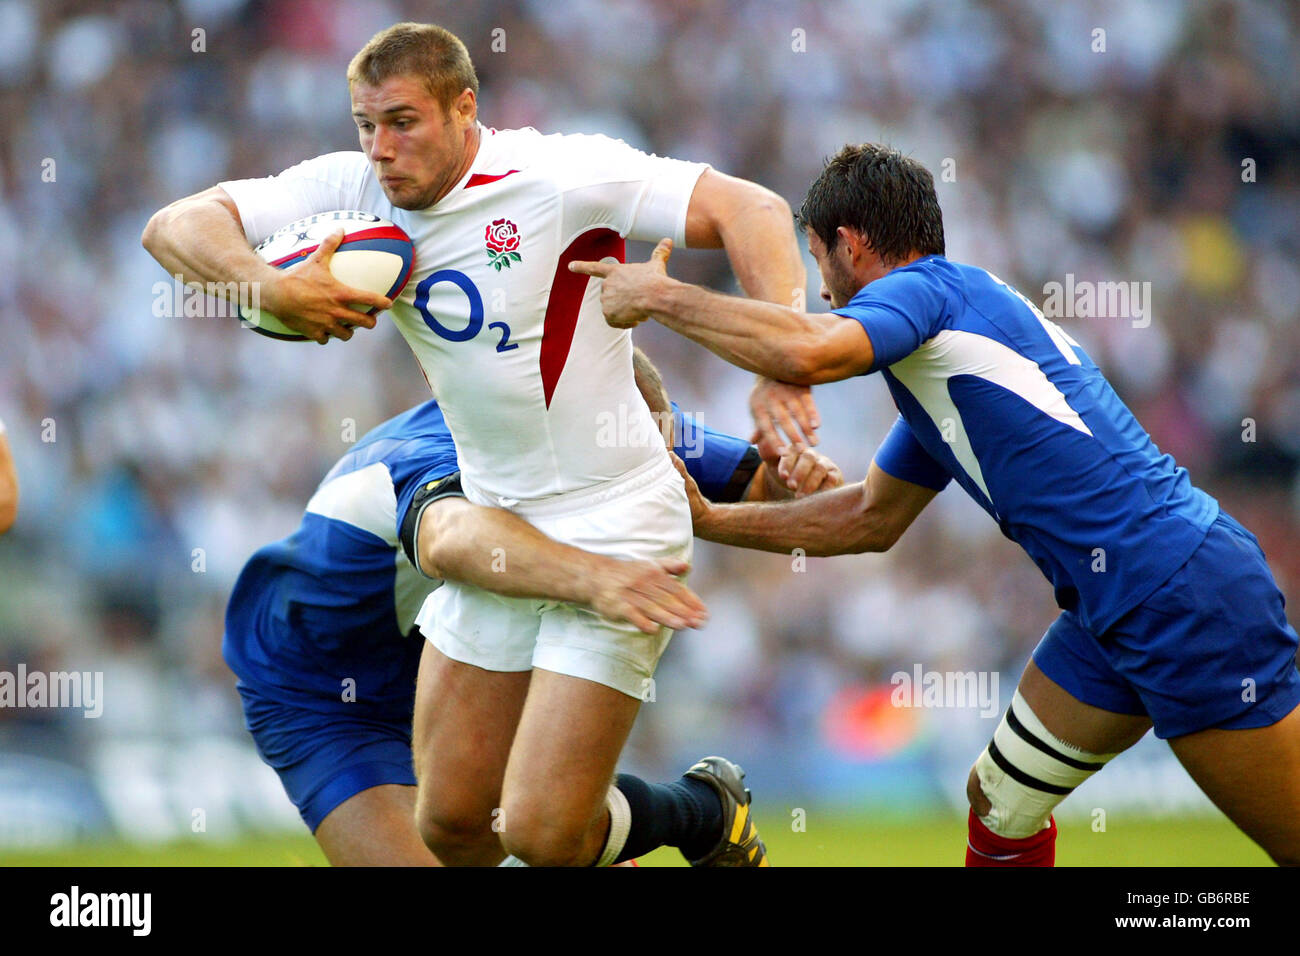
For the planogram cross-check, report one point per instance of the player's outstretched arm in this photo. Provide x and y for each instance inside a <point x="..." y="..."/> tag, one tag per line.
<point x="869" y="516"/>
<point x="498" y="551"/>
<point x="201" y="239"/>
<point x="8" y="484"/>
<point x="773" y="340"/>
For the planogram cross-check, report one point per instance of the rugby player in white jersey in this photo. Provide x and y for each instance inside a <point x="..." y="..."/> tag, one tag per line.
<point x="522" y="706"/>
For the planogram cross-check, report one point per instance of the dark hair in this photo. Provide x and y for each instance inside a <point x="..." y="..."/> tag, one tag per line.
<point x="886" y="196"/>
<point x="425" y="50"/>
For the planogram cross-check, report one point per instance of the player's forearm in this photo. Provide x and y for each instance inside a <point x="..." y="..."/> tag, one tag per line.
<point x="500" y="552"/>
<point x="766" y="485"/>
<point x="759" y="336"/>
<point x="201" y="241"/>
<point x="834" y="522"/>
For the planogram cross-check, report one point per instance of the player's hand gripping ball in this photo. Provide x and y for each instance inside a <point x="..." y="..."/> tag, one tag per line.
<point x="375" y="256"/>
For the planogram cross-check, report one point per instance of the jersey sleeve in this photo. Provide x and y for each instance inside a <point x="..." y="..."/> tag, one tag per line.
<point x="415" y="474"/>
<point x="606" y="183"/>
<point x="721" y="464"/>
<point x="329" y="182"/>
<point x="898" y="312"/>
<point x="901" y="456"/>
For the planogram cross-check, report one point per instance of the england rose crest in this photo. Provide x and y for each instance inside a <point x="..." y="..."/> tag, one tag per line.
<point x="502" y="241"/>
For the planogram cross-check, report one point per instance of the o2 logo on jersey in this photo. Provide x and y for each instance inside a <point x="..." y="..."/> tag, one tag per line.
<point x="475" y="324"/>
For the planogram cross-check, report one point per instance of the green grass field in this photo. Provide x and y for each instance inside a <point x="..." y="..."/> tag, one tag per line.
<point x="830" y="840"/>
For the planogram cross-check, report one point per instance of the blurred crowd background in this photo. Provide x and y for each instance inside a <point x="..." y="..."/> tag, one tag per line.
<point x="157" y="452"/>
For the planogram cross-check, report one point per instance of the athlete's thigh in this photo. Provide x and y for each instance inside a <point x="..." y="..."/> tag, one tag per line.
<point x="1253" y="776"/>
<point x="464" y="723"/>
<point x="1069" y="719"/>
<point x="376" y="827"/>
<point x="562" y="764"/>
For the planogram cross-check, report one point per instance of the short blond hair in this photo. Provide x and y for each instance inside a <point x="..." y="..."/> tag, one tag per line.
<point x="435" y="55"/>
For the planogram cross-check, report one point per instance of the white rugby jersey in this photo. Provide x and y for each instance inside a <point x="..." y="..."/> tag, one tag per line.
<point x="537" y="389"/>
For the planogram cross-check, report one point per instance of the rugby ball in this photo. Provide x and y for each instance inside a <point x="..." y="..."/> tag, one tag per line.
<point x="375" y="255"/>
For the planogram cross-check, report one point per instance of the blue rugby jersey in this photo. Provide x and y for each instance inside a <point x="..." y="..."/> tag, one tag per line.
<point x="993" y="394"/>
<point x="337" y="598"/>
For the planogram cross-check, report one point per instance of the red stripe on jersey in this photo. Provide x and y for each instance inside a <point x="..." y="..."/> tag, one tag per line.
<point x="567" y="290"/>
<point x="480" y="179"/>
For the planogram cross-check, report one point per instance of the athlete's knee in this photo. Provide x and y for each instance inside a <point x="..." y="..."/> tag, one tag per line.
<point x="1024" y="773"/>
<point x="547" y="847"/>
<point x="541" y="843"/>
<point x="451" y="832"/>
<point x="546" y="836"/>
<point x="975" y="794"/>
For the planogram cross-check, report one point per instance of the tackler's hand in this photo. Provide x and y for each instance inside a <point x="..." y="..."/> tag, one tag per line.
<point x="625" y="288"/>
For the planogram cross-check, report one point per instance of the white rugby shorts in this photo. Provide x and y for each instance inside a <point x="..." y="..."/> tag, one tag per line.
<point x="644" y="515"/>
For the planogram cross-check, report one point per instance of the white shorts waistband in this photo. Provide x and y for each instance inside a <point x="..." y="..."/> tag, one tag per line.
<point x="654" y="470"/>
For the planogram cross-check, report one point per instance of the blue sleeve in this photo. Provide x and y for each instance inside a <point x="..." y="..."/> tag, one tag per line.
<point x="898" y="311"/>
<point x="901" y="456"/>
<point x="434" y="460"/>
<point x="721" y="464"/>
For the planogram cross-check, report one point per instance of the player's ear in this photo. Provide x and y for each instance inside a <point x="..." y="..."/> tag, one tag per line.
<point x="854" y="243"/>
<point x="845" y="238"/>
<point x="465" y="107"/>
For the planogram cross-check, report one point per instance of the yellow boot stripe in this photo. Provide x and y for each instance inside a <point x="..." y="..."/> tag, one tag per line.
<point x="738" y="825"/>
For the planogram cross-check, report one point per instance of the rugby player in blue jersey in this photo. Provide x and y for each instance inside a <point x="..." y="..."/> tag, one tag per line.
<point x="1170" y="616"/>
<point x="320" y="629"/>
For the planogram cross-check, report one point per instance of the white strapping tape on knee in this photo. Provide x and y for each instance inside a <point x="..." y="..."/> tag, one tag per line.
<point x="620" y="823"/>
<point x="1026" y="771"/>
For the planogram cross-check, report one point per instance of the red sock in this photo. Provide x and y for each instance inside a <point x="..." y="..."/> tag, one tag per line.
<point x="986" y="848"/>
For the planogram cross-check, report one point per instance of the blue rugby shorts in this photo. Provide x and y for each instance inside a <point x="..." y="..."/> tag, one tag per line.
<point x="1210" y="648"/>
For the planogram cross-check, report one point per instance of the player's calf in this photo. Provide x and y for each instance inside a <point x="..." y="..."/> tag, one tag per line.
<point x="705" y="814"/>
<point x="1016" y="783"/>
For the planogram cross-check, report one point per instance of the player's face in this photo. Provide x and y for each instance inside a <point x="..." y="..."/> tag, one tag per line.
<point x="418" y="150"/>
<point x="838" y="282"/>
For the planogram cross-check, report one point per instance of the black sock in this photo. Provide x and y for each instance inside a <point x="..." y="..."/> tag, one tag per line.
<point x="686" y="814"/>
